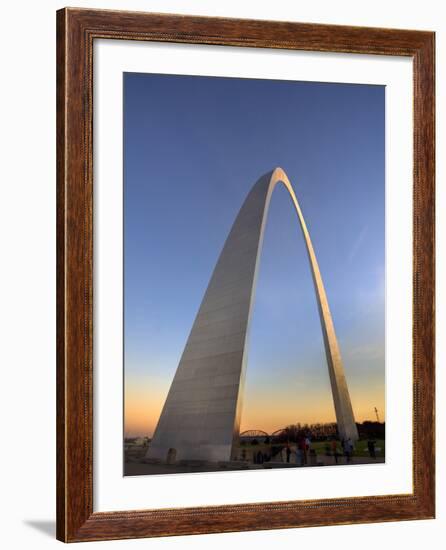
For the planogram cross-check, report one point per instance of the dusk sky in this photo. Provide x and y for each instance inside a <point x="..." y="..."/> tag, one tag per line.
<point x="193" y="148"/>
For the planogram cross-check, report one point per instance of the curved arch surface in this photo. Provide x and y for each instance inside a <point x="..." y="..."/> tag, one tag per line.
<point x="201" y="414"/>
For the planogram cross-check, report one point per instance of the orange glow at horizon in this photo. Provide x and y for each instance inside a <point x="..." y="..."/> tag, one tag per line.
<point x="143" y="403"/>
<point x="263" y="409"/>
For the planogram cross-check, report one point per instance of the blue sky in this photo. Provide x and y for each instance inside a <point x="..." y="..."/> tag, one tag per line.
<point x="193" y="147"/>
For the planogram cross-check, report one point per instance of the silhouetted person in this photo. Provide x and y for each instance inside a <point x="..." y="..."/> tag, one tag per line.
<point x="299" y="456"/>
<point x="288" y="453"/>
<point x="348" y="449"/>
<point x="371" y="446"/>
<point x="303" y="448"/>
<point x="334" y="448"/>
<point x="351" y="448"/>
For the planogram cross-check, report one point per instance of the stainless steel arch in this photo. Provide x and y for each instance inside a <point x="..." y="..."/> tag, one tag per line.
<point x="201" y="415"/>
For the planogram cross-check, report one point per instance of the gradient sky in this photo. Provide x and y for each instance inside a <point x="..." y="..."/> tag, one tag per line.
<point x="193" y="147"/>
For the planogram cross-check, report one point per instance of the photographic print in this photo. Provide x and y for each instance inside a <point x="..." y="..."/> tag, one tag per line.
<point x="254" y="274"/>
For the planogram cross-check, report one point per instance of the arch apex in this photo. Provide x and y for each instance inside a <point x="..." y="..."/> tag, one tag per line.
<point x="279" y="173"/>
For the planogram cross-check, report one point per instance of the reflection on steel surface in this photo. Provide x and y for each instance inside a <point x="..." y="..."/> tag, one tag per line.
<point x="201" y="416"/>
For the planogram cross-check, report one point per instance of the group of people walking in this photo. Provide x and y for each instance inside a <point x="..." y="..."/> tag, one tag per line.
<point x="347" y="449"/>
<point x="301" y="450"/>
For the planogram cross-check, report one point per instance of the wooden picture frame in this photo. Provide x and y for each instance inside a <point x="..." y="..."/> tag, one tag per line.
<point x="76" y="31"/>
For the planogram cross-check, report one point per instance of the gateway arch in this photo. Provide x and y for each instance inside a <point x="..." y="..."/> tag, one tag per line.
<point x="201" y="415"/>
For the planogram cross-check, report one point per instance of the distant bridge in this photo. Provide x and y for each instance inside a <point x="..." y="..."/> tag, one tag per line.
<point x="327" y="429"/>
<point x="254" y="433"/>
